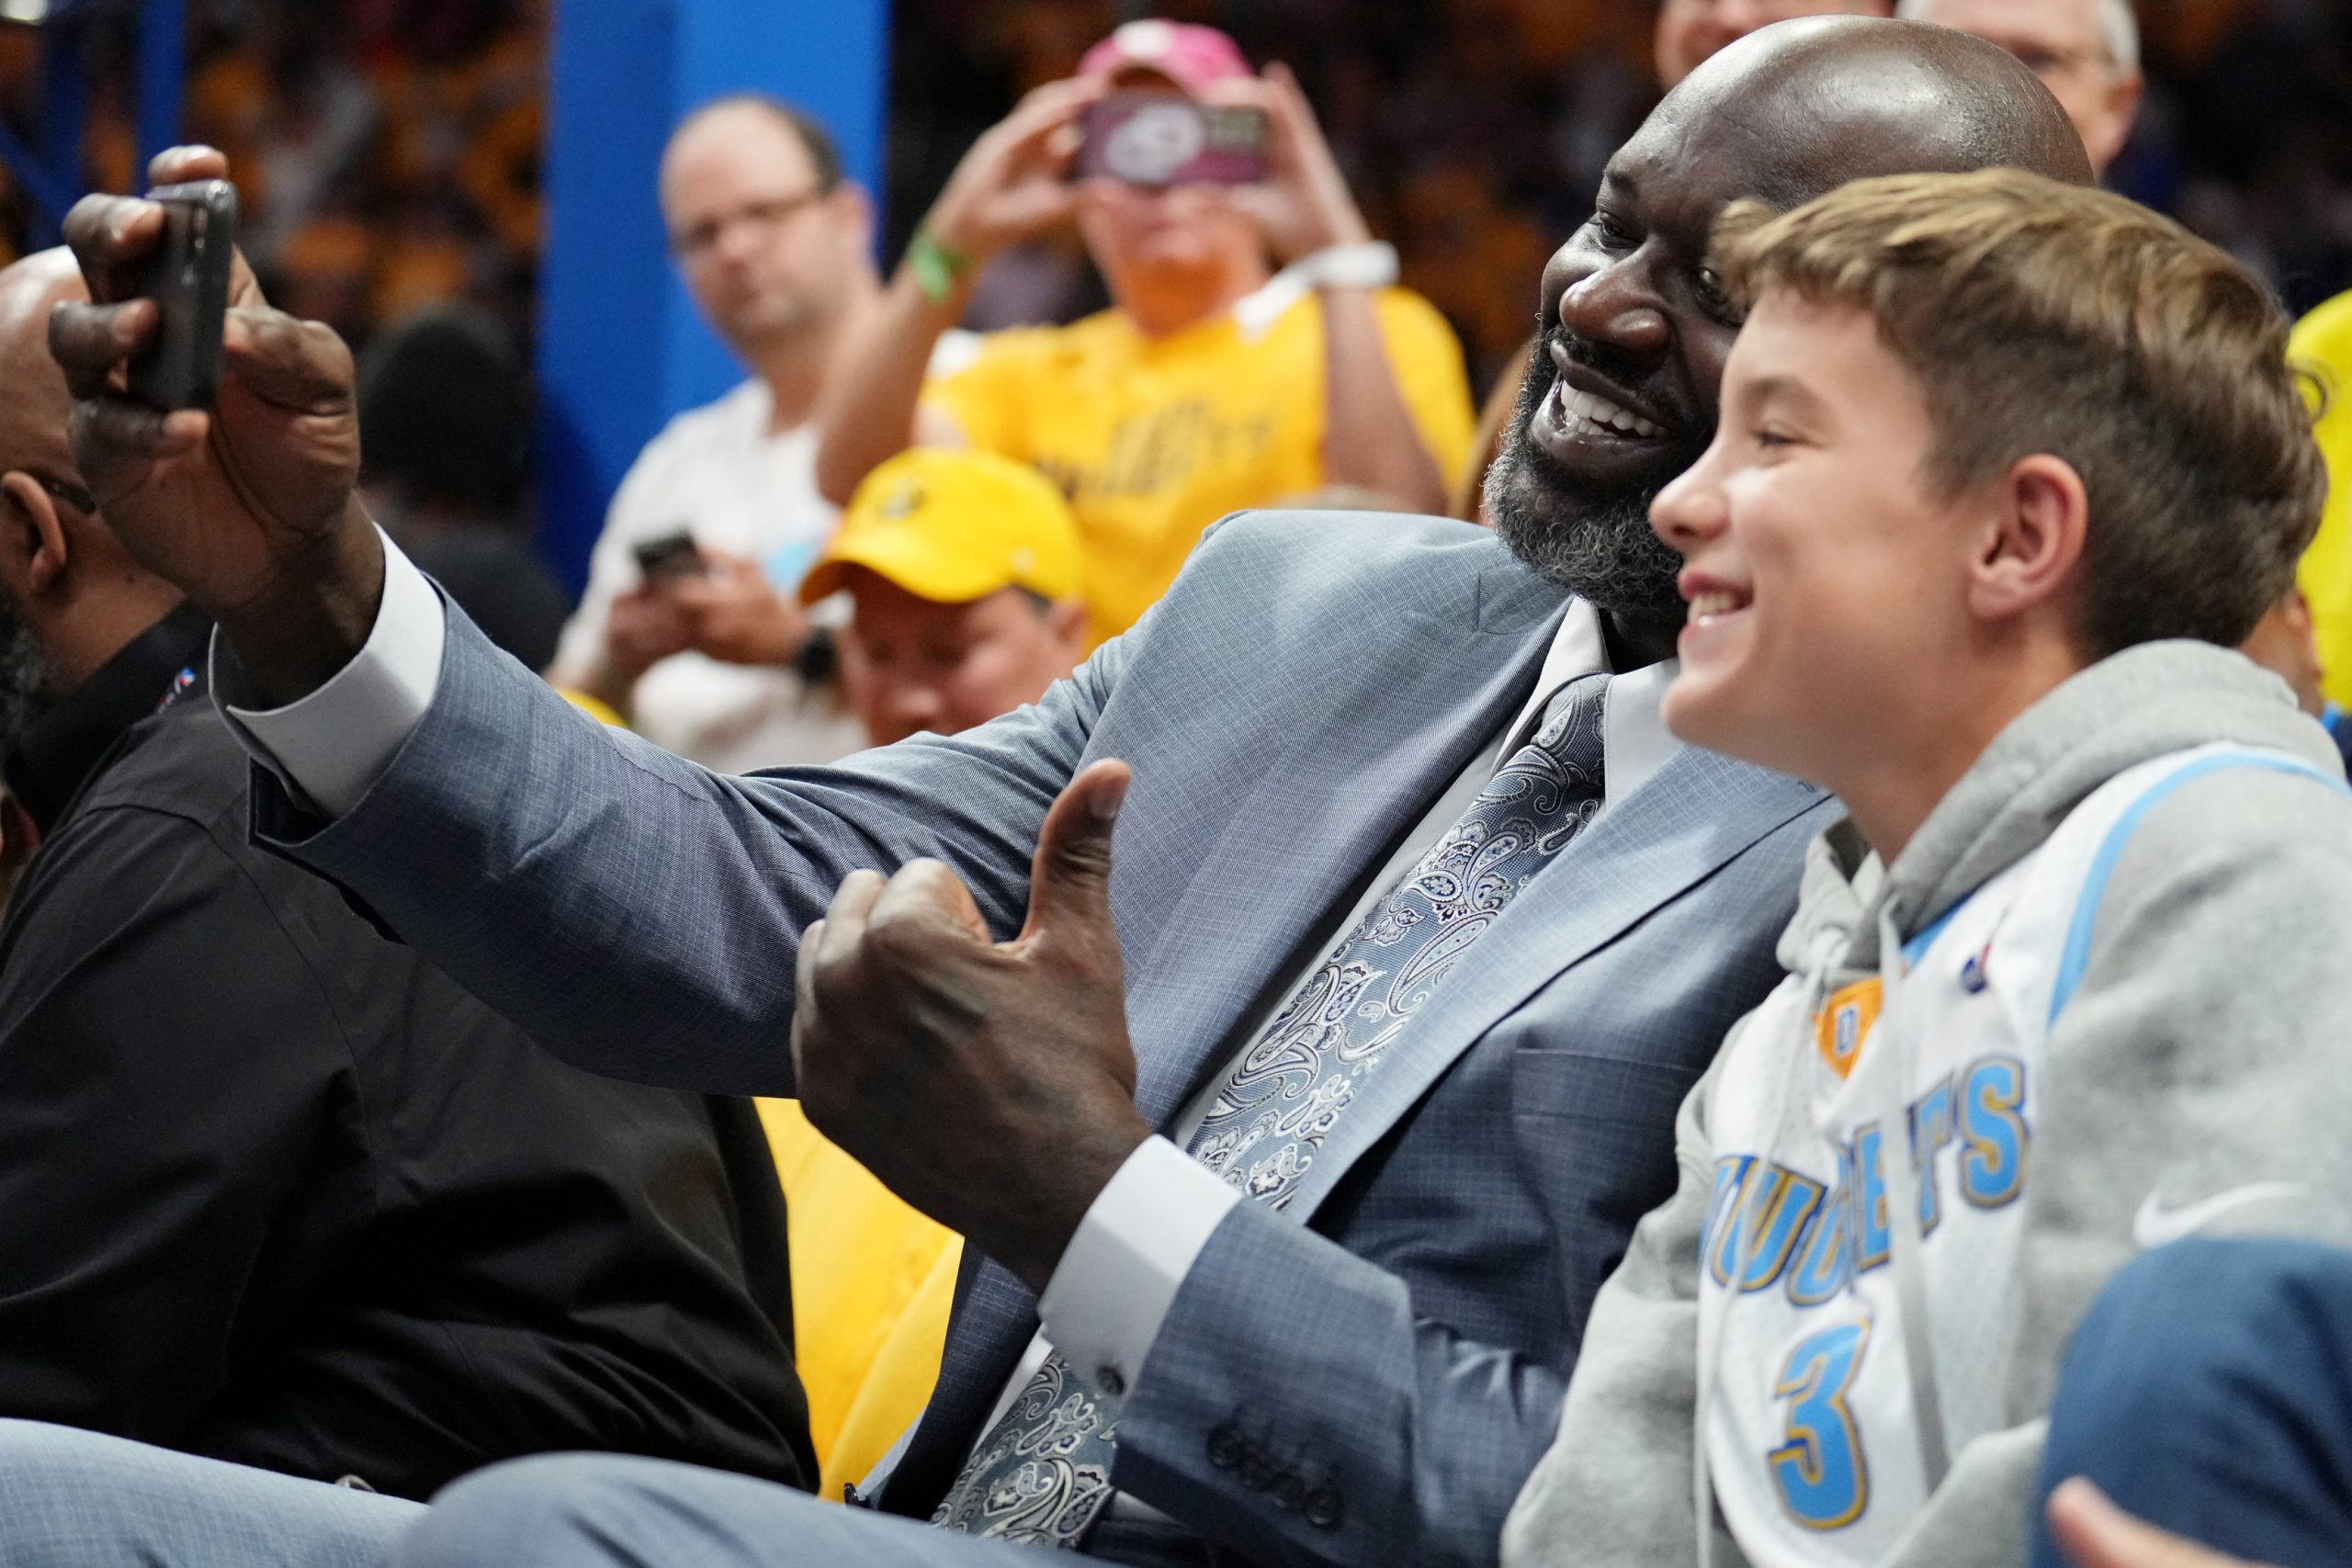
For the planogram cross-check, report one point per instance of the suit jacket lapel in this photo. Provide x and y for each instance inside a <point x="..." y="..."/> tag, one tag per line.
<point x="1698" y="812"/>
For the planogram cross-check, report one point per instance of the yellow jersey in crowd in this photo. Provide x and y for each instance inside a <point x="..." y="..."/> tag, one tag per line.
<point x="872" y="1282"/>
<point x="2324" y="341"/>
<point x="1154" y="440"/>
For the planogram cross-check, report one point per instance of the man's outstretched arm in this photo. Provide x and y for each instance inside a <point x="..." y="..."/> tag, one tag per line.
<point x="635" y="913"/>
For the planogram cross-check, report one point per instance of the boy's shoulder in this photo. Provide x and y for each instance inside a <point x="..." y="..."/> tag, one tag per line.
<point x="2247" y="805"/>
<point x="2224" y="871"/>
<point x="2233" y="817"/>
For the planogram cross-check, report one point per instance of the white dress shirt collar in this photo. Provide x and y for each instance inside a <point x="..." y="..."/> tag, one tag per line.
<point x="1634" y="738"/>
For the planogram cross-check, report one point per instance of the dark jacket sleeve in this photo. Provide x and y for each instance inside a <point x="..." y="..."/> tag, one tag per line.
<point x="168" y="1071"/>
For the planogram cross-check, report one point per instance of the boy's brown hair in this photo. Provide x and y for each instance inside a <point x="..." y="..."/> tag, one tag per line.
<point x="2048" y="318"/>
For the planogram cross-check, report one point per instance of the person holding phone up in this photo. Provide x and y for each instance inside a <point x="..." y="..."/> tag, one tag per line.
<point x="689" y="628"/>
<point x="1213" y="383"/>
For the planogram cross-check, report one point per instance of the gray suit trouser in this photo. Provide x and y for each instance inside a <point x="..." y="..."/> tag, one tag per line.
<point x="73" y="1499"/>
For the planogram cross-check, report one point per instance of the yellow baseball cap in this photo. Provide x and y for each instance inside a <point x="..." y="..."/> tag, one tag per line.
<point x="952" y="527"/>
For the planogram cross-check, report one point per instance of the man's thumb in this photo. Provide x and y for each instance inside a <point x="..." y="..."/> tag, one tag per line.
<point x="1069" y="879"/>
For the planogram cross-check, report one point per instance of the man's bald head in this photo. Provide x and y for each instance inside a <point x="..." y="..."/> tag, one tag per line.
<point x="1622" y="397"/>
<point x="1844" y="98"/>
<point x="34" y="404"/>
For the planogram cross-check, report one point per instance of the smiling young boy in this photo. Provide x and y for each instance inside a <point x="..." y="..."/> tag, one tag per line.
<point x="2005" y="470"/>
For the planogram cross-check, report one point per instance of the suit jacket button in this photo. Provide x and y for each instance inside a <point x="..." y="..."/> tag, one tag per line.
<point x="1111" y="1380"/>
<point x="1256" y="1474"/>
<point x="1224" y="1447"/>
<point x="1289" y="1492"/>
<point x="1323" y="1508"/>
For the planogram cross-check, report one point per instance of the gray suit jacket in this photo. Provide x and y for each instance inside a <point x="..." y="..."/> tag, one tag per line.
<point x="1371" y="1375"/>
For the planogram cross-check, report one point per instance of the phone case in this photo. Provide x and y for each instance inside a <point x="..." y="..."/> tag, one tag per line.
<point x="187" y="277"/>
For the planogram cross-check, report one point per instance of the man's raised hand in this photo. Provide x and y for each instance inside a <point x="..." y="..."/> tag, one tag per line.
<point x="249" y="508"/>
<point x="1014" y="181"/>
<point x="989" y="1085"/>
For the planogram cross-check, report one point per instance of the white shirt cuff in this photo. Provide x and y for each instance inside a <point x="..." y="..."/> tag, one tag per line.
<point x="330" y="746"/>
<point x="1120" y="1274"/>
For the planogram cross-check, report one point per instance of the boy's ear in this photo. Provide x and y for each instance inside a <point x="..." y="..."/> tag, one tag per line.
<point x="2040" y="523"/>
<point x="32" y="537"/>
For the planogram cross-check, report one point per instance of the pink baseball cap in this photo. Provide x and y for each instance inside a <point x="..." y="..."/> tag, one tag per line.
<point x="1187" y="53"/>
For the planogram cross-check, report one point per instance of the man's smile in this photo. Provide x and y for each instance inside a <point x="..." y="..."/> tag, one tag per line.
<point x="1586" y="423"/>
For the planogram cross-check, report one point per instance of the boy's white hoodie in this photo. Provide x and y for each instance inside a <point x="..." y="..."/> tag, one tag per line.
<point x="2121" y="1009"/>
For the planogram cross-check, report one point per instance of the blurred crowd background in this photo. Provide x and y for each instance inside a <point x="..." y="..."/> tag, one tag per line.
<point x="389" y="150"/>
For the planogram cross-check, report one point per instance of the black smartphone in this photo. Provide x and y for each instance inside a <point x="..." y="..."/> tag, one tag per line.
<point x="187" y="277"/>
<point x="671" y="556"/>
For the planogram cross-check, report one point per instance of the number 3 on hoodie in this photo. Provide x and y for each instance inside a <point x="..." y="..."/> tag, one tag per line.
<point x="1823" y="1479"/>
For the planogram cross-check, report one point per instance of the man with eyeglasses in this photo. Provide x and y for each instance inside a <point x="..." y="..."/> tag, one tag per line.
<point x="273" y="1189"/>
<point x="701" y="644"/>
<point x="2086" y="52"/>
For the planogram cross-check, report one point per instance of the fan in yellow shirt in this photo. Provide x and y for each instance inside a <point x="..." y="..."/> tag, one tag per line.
<point x="1153" y="439"/>
<point x="1213" y="383"/>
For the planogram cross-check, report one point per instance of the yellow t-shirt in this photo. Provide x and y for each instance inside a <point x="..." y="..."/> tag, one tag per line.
<point x="1154" y="440"/>
<point x="872" y="1281"/>
<point x="2324" y="340"/>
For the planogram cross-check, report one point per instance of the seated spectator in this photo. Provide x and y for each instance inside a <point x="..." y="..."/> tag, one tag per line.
<point x="708" y="653"/>
<point x="2086" y="52"/>
<point x="274" y="1190"/>
<point x="1207" y="387"/>
<point x="2082" y="931"/>
<point x="2206" y="1390"/>
<point x="443" y="419"/>
<point x="962" y="569"/>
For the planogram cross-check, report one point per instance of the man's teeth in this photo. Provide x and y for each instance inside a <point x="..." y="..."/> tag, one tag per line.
<point x="1585" y="408"/>
<point x="1716" y="601"/>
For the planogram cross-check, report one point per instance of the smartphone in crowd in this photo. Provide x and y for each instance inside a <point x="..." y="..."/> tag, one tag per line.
<point x="670" y="557"/>
<point x="187" y="277"/>
<point x="1152" y="139"/>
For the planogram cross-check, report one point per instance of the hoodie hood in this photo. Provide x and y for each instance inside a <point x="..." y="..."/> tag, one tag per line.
<point x="2146" y="702"/>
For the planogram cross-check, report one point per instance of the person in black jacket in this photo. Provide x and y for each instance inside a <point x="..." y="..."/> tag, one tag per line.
<point x="273" y="1190"/>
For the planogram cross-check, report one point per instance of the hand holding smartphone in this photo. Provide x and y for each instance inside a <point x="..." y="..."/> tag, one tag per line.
<point x="670" y="558"/>
<point x="187" y="277"/>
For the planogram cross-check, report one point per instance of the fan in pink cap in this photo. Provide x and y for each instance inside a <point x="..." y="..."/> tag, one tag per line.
<point x="1224" y="229"/>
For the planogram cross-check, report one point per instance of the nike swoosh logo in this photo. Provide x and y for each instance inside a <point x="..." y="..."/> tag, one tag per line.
<point x="2155" y="1224"/>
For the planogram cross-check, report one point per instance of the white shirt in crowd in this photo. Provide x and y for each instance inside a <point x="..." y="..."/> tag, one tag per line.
<point x="1119" y="1278"/>
<point x="717" y="473"/>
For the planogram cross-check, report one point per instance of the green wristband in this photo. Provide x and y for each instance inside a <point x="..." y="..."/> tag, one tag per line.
<point x="937" y="268"/>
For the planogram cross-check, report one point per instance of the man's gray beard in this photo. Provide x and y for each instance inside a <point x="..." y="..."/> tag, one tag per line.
<point x="1601" y="548"/>
<point x="24" y="676"/>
